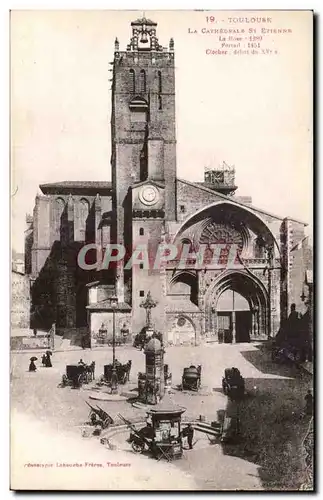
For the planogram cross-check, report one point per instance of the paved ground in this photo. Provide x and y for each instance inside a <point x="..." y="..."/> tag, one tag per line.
<point x="269" y="455"/>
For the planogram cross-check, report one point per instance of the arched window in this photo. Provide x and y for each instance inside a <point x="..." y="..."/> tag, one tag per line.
<point x="188" y="243"/>
<point x="132" y="82"/>
<point x="159" y="82"/>
<point x="142" y="81"/>
<point x="84" y="210"/>
<point x="58" y="212"/>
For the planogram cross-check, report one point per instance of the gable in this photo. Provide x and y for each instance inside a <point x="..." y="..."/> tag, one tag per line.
<point x="193" y="198"/>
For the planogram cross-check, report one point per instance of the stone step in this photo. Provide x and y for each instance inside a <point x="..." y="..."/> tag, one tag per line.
<point x="207" y="428"/>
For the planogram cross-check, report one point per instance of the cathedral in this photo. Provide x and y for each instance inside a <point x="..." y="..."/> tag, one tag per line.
<point x="147" y="204"/>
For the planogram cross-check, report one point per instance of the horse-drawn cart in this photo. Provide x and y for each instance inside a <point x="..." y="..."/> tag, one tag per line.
<point x="191" y="379"/>
<point x="123" y="372"/>
<point x="233" y="384"/>
<point x="77" y="375"/>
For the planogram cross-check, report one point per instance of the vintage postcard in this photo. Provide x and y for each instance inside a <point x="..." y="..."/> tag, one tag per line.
<point x="162" y="267"/>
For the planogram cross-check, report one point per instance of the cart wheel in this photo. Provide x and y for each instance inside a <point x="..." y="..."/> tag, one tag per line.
<point x="138" y="447"/>
<point x="80" y="380"/>
<point x="64" y="381"/>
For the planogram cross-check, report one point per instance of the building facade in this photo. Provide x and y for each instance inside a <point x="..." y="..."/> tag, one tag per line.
<point x="20" y="299"/>
<point x="147" y="205"/>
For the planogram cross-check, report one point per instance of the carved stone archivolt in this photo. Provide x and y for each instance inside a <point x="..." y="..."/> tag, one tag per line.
<point x="216" y="232"/>
<point x="206" y="278"/>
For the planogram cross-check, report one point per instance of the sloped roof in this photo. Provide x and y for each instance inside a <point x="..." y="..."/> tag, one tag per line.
<point x="105" y="305"/>
<point x="68" y="186"/>
<point x="236" y="201"/>
<point x="160" y="184"/>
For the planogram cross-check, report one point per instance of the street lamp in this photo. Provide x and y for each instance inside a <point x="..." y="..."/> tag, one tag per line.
<point x="114" y="378"/>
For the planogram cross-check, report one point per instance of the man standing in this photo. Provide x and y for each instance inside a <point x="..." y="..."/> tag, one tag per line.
<point x="189" y="433"/>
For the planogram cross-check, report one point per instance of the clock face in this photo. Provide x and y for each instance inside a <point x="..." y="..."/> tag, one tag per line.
<point x="148" y="195"/>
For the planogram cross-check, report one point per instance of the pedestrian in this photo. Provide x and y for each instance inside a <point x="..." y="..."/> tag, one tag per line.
<point x="188" y="432"/>
<point x="32" y="366"/>
<point x="48" y="362"/>
<point x="309" y="403"/>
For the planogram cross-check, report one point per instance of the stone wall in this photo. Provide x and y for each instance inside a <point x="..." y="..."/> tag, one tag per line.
<point x="183" y="328"/>
<point x="300" y="261"/>
<point x="41" y="341"/>
<point x="62" y="225"/>
<point x="20" y="300"/>
<point x="144" y="280"/>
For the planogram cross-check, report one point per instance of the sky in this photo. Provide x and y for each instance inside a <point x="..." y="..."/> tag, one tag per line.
<point x="251" y="111"/>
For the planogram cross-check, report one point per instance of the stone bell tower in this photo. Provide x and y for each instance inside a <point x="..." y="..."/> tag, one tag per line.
<point x="143" y="138"/>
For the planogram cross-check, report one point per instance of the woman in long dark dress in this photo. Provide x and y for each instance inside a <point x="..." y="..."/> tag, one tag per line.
<point x="32" y="366"/>
<point x="48" y="362"/>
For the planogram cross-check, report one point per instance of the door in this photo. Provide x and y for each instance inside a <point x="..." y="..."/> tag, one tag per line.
<point x="243" y="326"/>
<point x="225" y="327"/>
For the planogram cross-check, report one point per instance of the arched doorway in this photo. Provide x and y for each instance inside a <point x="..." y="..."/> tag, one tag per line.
<point x="237" y="302"/>
<point x="233" y="315"/>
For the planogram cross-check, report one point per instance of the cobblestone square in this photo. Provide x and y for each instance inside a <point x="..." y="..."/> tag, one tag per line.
<point x="269" y="454"/>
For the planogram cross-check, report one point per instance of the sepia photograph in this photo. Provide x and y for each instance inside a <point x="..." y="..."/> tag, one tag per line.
<point x="161" y="250"/>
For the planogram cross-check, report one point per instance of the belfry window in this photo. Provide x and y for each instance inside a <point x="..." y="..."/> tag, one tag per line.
<point x="142" y="81"/>
<point x="132" y="81"/>
<point x="58" y="213"/>
<point x="84" y="210"/>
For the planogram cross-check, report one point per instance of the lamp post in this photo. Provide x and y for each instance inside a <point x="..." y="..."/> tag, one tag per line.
<point x="114" y="378"/>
